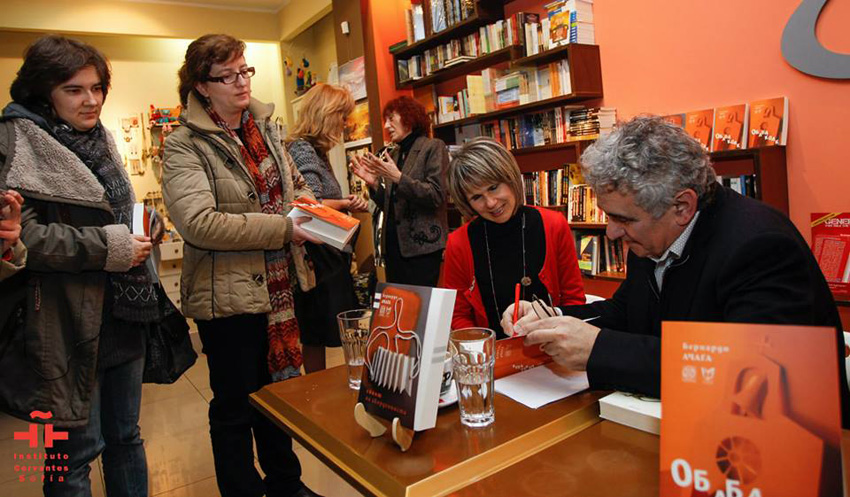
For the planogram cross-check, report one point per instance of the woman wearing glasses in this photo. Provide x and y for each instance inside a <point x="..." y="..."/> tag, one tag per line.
<point x="228" y="182"/>
<point x="505" y="243"/>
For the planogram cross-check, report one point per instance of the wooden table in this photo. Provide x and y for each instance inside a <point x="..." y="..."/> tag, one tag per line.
<point x="603" y="460"/>
<point x="317" y="410"/>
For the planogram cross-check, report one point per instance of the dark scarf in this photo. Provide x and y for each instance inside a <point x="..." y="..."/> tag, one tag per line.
<point x="134" y="297"/>
<point x="284" y="350"/>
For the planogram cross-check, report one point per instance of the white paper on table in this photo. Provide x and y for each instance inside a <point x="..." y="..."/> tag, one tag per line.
<point x="542" y="385"/>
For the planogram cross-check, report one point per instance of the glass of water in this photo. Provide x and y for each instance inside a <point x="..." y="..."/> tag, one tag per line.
<point x="353" y="333"/>
<point x="473" y="358"/>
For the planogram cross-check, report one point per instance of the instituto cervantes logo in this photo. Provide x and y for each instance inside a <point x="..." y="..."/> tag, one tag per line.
<point x="28" y="465"/>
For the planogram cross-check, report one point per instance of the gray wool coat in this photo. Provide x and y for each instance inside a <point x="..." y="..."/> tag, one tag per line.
<point x="420" y="198"/>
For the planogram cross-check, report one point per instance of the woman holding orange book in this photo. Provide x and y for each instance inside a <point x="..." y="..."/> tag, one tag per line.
<point x="319" y="128"/>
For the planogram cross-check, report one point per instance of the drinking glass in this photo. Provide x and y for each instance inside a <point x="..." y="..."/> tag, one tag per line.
<point x="353" y="332"/>
<point x="473" y="358"/>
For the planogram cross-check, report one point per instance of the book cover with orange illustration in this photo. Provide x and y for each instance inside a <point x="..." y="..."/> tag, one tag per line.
<point x="769" y="122"/>
<point x="831" y="246"/>
<point x="730" y="127"/>
<point x="749" y="410"/>
<point x="514" y="357"/>
<point x="405" y="352"/>
<point x="328" y="224"/>
<point x="698" y="124"/>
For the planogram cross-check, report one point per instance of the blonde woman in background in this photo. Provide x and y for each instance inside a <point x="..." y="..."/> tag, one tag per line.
<point x="319" y="128"/>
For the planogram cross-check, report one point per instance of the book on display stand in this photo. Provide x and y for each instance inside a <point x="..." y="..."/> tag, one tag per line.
<point x="405" y="352"/>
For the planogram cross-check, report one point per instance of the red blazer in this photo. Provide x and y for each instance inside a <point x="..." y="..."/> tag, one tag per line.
<point x="560" y="274"/>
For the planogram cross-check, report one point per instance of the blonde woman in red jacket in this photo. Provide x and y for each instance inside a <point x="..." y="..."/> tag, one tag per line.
<point x="505" y="243"/>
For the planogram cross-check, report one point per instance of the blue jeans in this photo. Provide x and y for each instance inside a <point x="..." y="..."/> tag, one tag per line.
<point x="113" y="429"/>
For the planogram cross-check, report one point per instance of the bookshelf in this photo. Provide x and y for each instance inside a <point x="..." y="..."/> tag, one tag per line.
<point x="766" y="164"/>
<point x="486" y="11"/>
<point x="451" y="72"/>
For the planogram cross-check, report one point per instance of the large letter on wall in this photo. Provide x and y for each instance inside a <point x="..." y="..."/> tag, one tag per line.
<point x="802" y="49"/>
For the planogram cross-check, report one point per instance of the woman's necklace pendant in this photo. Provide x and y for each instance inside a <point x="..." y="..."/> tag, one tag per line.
<point x="526" y="281"/>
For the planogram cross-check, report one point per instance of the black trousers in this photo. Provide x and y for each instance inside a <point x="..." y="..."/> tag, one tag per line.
<point x="422" y="270"/>
<point x="236" y="349"/>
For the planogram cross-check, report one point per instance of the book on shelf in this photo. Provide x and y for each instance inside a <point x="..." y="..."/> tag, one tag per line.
<point x="769" y="122"/>
<point x="699" y="125"/>
<point x="327" y="224"/>
<point x="730" y="127"/>
<point x="831" y="247"/>
<point x="405" y="352"/>
<point x="558" y="16"/>
<point x="398" y="46"/>
<point x="439" y="21"/>
<point x="475" y="90"/>
<point x="675" y="119"/>
<point x="418" y="20"/>
<point x="635" y="411"/>
<point x="749" y="409"/>
<point x="588" y="253"/>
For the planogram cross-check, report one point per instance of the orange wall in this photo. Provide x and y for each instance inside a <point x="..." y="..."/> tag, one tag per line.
<point x="666" y="57"/>
<point x="384" y="21"/>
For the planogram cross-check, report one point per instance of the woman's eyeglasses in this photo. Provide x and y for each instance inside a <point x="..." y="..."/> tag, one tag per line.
<point x="246" y="73"/>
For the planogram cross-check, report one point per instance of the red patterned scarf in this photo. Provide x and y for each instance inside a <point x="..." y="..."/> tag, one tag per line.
<point x="284" y="350"/>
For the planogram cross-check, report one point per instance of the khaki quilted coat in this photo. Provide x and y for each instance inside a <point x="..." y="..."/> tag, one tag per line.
<point x="215" y="206"/>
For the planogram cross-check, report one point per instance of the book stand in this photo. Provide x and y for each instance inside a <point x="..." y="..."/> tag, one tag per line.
<point x="403" y="437"/>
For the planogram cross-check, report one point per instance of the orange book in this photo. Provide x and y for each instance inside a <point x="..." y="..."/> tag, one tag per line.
<point x="513" y="357"/>
<point x="769" y="122"/>
<point x="675" y="119"/>
<point x="698" y="124"/>
<point x="730" y="128"/>
<point x="329" y="225"/>
<point x="749" y="410"/>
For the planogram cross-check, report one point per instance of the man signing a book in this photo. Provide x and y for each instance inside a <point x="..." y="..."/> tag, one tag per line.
<point x="698" y="251"/>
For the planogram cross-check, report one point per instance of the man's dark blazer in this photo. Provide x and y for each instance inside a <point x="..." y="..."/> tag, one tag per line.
<point x="745" y="262"/>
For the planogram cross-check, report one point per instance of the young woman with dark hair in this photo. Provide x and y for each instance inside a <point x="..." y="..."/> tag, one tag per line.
<point x="84" y="300"/>
<point x="409" y="185"/>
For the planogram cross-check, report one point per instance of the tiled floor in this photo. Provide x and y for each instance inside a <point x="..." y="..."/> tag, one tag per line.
<point x="176" y="433"/>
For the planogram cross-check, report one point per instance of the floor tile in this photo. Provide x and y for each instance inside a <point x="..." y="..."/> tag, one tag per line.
<point x="179" y="459"/>
<point x="9" y="425"/>
<point x="173" y="416"/>
<point x="154" y="393"/>
<point x="320" y="479"/>
<point x="207" y="394"/>
<point x="199" y="374"/>
<point x="203" y="488"/>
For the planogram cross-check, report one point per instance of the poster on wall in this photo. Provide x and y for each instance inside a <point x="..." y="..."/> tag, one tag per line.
<point x="352" y="76"/>
<point x="357" y="125"/>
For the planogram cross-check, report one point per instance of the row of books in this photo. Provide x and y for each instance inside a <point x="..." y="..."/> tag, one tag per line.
<point x="744" y="184"/>
<point x="563" y="187"/>
<point x="446" y="13"/>
<point x="497" y="89"/>
<point x="566" y="21"/>
<point x="761" y="123"/>
<point x="488" y="39"/>
<point x="598" y="254"/>
<point x="549" y="127"/>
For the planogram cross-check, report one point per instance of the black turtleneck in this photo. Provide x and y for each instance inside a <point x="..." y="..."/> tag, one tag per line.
<point x="506" y="261"/>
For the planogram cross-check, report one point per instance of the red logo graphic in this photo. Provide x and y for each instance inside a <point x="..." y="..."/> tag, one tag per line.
<point x="49" y="434"/>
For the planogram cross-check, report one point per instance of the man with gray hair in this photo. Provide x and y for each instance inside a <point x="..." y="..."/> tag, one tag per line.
<point x="697" y="252"/>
